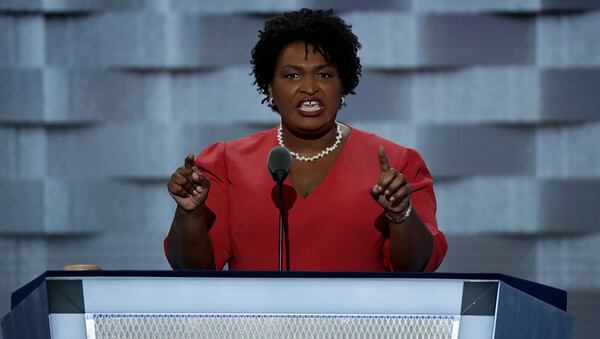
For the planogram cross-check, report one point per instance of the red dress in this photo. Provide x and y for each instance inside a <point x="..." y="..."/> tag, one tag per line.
<point x="337" y="227"/>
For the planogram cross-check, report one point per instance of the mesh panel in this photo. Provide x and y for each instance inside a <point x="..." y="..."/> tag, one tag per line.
<point x="223" y="326"/>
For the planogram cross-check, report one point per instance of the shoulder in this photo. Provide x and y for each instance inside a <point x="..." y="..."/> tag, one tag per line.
<point x="256" y="141"/>
<point x="218" y="154"/>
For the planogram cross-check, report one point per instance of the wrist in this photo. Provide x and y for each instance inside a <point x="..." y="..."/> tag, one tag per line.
<point x="195" y="212"/>
<point x="400" y="217"/>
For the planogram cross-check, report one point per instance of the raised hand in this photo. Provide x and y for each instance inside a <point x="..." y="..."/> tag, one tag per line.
<point x="188" y="186"/>
<point x="392" y="191"/>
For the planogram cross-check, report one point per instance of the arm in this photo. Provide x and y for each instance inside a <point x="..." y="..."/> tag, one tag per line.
<point x="415" y="244"/>
<point x="188" y="243"/>
<point x="410" y="243"/>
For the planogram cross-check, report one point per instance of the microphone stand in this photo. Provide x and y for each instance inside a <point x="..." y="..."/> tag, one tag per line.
<point x="278" y="164"/>
<point x="280" y="189"/>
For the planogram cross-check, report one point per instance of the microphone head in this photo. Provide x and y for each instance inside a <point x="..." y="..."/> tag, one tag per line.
<point x="279" y="163"/>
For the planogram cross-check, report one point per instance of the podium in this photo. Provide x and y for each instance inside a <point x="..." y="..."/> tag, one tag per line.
<point x="213" y="304"/>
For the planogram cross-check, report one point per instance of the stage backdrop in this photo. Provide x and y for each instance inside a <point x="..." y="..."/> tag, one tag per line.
<point x="101" y="100"/>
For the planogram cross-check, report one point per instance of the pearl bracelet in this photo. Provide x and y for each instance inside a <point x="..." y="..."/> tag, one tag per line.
<point x="398" y="220"/>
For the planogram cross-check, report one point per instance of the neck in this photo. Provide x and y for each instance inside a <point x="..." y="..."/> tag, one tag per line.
<point x="307" y="143"/>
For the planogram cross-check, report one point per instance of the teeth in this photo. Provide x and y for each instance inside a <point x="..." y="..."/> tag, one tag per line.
<point x="310" y="108"/>
<point x="310" y="103"/>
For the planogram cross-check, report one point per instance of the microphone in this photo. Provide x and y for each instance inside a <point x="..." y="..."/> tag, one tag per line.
<point x="278" y="164"/>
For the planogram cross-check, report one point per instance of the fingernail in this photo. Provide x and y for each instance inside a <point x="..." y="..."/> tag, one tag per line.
<point x="387" y="192"/>
<point x="392" y="199"/>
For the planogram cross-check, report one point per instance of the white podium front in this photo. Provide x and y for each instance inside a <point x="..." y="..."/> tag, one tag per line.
<point x="208" y="304"/>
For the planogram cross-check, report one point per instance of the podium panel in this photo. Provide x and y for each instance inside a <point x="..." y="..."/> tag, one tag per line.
<point x="230" y="326"/>
<point x="203" y="304"/>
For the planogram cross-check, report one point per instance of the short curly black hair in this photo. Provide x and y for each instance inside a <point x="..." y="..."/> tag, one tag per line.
<point x="325" y="31"/>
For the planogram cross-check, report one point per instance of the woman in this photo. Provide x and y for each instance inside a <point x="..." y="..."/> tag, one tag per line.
<point x="354" y="201"/>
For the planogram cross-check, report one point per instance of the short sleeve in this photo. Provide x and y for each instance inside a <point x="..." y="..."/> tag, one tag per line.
<point x="413" y="167"/>
<point x="212" y="164"/>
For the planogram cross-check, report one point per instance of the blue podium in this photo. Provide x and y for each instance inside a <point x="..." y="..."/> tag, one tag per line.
<point x="210" y="304"/>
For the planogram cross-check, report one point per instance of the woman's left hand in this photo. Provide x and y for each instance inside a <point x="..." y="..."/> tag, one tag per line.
<point x="392" y="191"/>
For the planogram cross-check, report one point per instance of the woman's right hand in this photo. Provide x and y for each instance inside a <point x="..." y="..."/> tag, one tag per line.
<point x="188" y="187"/>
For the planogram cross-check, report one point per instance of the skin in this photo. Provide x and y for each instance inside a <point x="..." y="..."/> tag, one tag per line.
<point x="300" y="74"/>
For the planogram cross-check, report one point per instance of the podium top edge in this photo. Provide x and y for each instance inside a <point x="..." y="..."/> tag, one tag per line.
<point x="551" y="295"/>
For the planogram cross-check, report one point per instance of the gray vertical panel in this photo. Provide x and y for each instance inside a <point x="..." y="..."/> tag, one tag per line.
<point x="490" y="253"/>
<point x="21" y="95"/>
<point x="17" y="197"/>
<point x="470" y="39"/>
<point x="507" y="94"/>
<point x="469" y="6"/>
<point x="570" y="94"/>
<point x="570" y="262"/>
<point x="389" y="39"/>
<point x="110" y="39"/>
<point x="380" y="95"/>
<point x="126" y="248"/>
<point x="8" y="271"/>
<point x="194" y="37"/>
<point x="570" y="205"/>
<point x="488" y="205"/>
<point x="218" y="96"/>
<point x="584" y="307"/>
<point x="236" y="6"/>
<point x="569" y="5"/>
<point x="460" y="150"/>
<point x="569" y="40"/>
<point x="20" y="5"/>
<point x="568" y="151"/>
<point x="29" y="153"/>
<point x="21" y="40"/>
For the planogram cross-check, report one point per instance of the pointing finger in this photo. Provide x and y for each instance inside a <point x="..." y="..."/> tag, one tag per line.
<point x="189" y="161"/>
<point x="384" y="165"/>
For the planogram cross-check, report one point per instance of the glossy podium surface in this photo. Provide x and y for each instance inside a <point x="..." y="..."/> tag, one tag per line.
<point x="209" y="304"/>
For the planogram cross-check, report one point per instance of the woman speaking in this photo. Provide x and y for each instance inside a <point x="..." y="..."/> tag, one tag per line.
<point x="353" y="201"/>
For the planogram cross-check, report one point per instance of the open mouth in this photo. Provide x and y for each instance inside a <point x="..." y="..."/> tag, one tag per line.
<point x="310" y="106"/>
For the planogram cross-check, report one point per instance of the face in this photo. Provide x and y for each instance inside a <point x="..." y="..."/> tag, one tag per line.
<point x="307" y="90"/>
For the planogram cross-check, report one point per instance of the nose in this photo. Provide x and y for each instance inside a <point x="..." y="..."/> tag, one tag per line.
<point x="308" y="86"/>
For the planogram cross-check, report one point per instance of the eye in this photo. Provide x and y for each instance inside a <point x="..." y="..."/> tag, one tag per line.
<point x="292" y="76"/>
<point x="325" y="75"/>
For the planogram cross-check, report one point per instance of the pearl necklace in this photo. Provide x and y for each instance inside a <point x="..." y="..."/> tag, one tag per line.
<point x="326" y="151"/>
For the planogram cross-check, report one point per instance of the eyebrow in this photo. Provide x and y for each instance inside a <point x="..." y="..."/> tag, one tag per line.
<point x="300" y="67"/>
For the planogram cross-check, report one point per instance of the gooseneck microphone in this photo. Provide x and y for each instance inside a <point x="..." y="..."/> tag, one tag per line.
<point x="278" y="164"/>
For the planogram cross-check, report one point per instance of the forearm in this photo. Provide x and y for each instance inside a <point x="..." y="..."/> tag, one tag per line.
<point x="411" y="244"/>
<point x="189" y="245"/>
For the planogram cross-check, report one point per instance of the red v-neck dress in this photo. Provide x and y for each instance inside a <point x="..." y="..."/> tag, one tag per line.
<point x="337" y="227"/>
